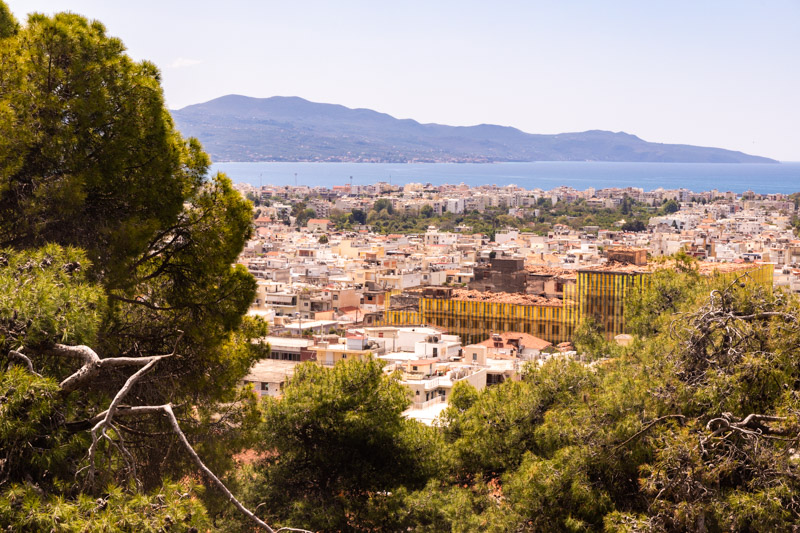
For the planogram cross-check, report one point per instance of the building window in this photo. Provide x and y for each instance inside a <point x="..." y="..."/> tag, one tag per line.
<point x="474" y="356"/>
<point x="265" y="386"/>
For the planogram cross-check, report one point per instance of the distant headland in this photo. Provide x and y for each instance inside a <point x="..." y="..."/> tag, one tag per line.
<point x="241" y="128"/>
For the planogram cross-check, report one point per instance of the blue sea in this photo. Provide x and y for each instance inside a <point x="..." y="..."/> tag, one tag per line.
<point x="761" y="178"/>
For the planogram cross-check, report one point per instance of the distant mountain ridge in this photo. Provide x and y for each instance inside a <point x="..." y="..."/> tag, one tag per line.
<point x="241" y="128"/>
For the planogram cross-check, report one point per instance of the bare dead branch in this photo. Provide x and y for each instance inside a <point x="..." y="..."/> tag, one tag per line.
<point x="80" y="351"/>
<point x="751" y="425"/>
<point x="93" y="365"/>
<point x="167" y="410"/>
<point x="24" y="359"/>
<point x="106" y="420"/>
<point x="99" y="429"/>
<point x="646" y="428"/>
<point x="144" y="303"/>
<point x="220" y="485"/>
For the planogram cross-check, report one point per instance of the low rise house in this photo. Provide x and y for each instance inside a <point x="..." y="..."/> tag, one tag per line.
<point x="430" y="382"/>
<point x="290" y="349"/>
<point x="268" y="376"/>
<point x="317" y="225"/>
<point x="354" y="347"/>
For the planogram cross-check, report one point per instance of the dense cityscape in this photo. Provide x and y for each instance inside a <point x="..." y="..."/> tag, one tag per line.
<point x="453" y="301"/>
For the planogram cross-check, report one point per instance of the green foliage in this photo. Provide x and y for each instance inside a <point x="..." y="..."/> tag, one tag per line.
<point x="304" y="216"/>
<point x="666" y="292"/>
<point x="795" y="221"/>
<point x="88" y="153"/>
<point x="625" y="208"/>
<point x="34" y="445"/>
<point x="589" y="339"/>
<point x="188" y="284"/>
<point x="383" y="204"/>
<point x="8" y="24"/>
<point x="113" y="236"/>
<point x="557" y="492"/>
<point x="636" y="225"/>
<point x="694" y="427"/>
<point x="45" y="297"/>
<point x="669" y="207"/>
<point x="336" y="443"/>
<point x="628" y="444"/>
<point x="172" y="508"/>
<point x="358" y="216"/>
<point x="253" y="199"/>
<point x="575" y="215"/>
<point x="490" y="434"/>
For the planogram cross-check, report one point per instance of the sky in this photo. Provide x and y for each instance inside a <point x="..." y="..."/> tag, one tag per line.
<point x="711" y="73"/>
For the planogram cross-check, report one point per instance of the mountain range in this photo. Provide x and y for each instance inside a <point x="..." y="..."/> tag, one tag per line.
<point x="241" y="128"/>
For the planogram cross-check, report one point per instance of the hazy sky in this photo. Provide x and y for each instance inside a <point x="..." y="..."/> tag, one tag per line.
<point x="712" y="73"/>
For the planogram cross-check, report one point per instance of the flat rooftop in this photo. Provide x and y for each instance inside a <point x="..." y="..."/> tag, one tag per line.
<point x="271" y="371"/>
<point x="288" y="342"/>
<point x="428" y="415"/>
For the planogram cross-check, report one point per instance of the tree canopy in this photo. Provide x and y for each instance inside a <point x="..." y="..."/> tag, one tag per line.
<point x="121" y="311"/>
<point x="336" y="445"/>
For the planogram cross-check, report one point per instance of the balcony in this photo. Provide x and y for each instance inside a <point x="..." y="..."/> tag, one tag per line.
<point x="425" y="405"/>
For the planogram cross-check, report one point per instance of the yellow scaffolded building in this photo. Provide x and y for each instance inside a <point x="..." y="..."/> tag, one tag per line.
<point x="599" y="294"/>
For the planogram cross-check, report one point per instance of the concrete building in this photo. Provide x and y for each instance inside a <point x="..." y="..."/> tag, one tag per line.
<point x="268" y="376"/>
<point x="318" y="225"/>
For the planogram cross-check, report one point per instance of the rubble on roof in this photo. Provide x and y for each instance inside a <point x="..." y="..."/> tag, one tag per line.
<point x="504" y="297"/>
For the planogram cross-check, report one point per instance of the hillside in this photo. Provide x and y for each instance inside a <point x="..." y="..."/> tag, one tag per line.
<point x="240" y="128"/>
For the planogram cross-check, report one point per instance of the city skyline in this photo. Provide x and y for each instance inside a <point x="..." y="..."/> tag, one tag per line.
<point x="715" y="74"/>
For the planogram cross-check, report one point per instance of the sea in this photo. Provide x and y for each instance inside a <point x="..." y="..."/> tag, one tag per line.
<point x="761" y="178"/>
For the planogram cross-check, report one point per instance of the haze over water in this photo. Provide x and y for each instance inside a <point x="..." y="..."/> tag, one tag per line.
<point x="761" y="178"/>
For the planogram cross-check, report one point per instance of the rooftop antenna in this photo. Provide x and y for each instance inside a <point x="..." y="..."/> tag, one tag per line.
<point x="351" y="184"/>
<point x="295" y="179"/>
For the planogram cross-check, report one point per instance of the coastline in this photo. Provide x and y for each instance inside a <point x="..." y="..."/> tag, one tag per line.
<point x="763" y="178"/>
